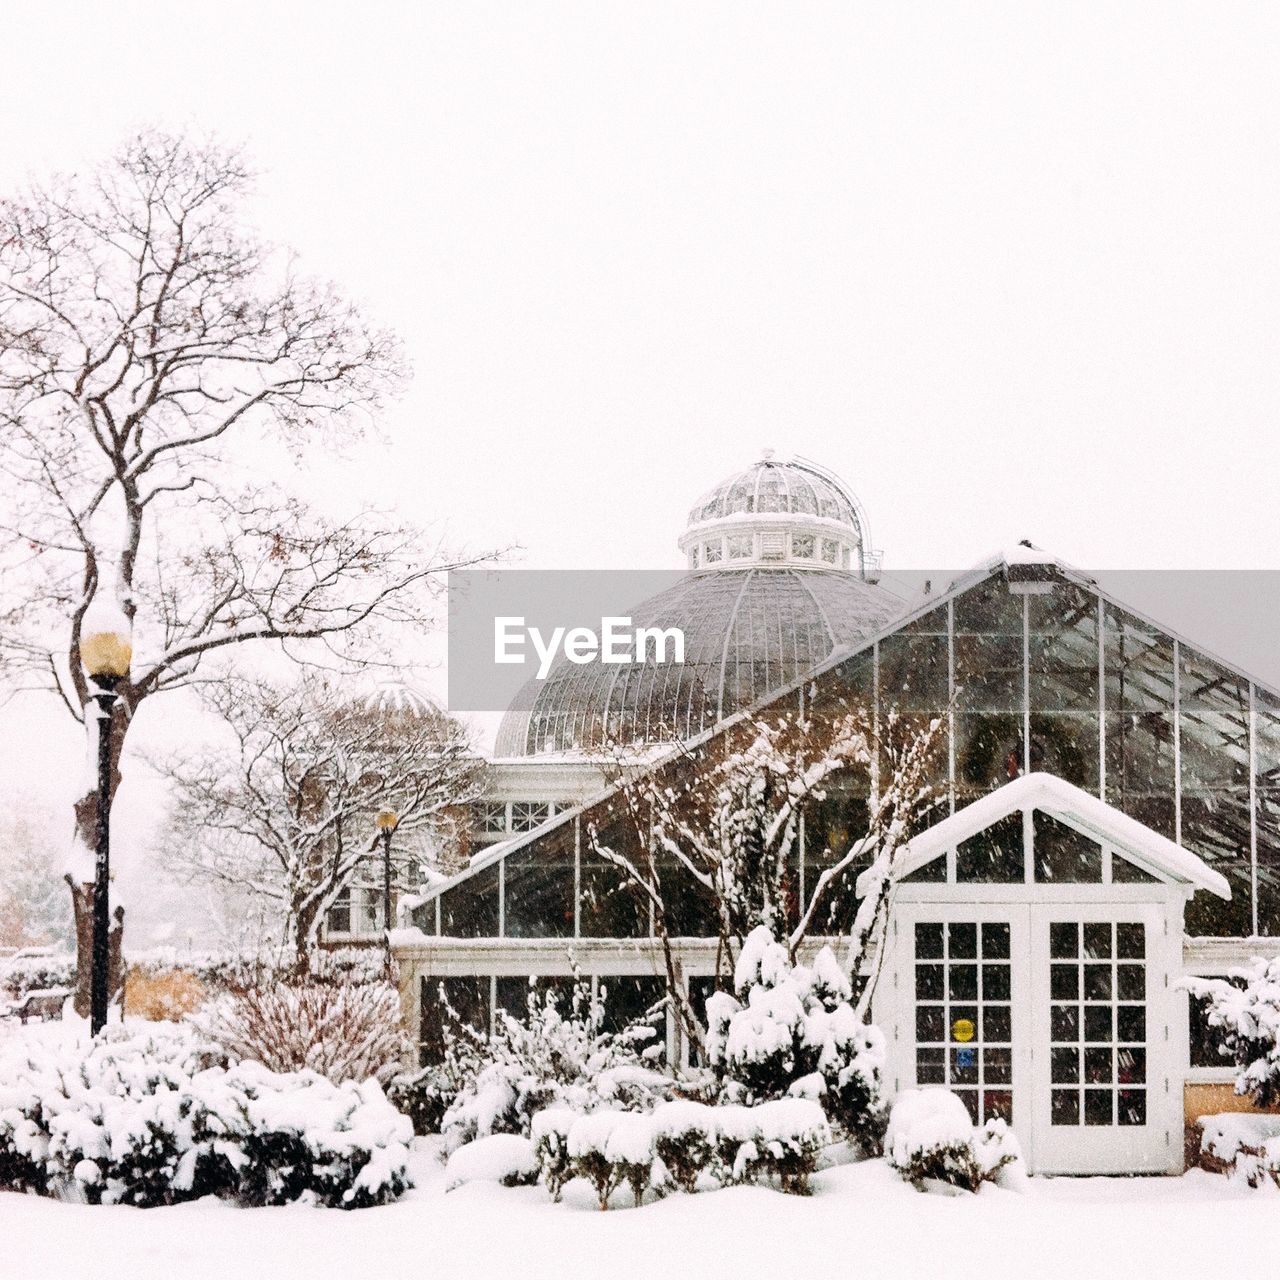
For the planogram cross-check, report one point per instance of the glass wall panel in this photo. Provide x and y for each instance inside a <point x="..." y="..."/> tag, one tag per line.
<point x="514" y="993"/>
<point x="539" y="887"/>
<point x="1138" y="693"/>
<point x="690" y="909"/>
<point x="914" y="683"/>
<point x="831" y="826"/>
<point x="635" y="1001"/>
<point x="1063" y="684"/>
<point x="1267" y="735"/>
<point x="470" y="909"/>
<point x="1064" y="855"/>
<point x="610" y="907"/>
<point x="469" y="1000"/>
<point x="846" y="687"/>
<point x="989" y="688"/>
<point x="1214" y="750"/>
<point x="993" y="856"/>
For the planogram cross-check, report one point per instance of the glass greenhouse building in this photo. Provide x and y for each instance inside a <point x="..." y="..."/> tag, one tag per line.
<point x="1151" y="850"/>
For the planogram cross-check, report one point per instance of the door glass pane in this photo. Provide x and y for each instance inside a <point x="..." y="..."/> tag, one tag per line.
<point x="963" y="1014"/>
<point x="1097" y="1021"/>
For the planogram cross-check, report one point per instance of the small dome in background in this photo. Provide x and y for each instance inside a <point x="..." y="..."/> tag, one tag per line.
<point x="394" y="698"/>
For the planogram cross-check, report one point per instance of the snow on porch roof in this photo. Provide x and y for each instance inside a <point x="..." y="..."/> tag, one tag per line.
<point x="1059" y="798"/>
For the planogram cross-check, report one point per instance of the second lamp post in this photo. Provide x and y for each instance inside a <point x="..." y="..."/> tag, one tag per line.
<point x="386" y="822"/>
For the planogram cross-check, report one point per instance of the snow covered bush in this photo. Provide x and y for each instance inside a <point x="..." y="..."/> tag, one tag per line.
<point x="549" y="1131"/>
<point x="425" y="1096"/>
<point x="1244" y="1146"/>
<point x="505" y="1158"/>
<point x="792" y="1031"/>
<point x="630" y="1152"/>
<point x="553" y="1058"/>
<point x="588" y="1147"/>
<point x="343" y="1031"/>
<point x="1249" y="1017"/>
<point x="931" y="1138"/>
<point x="157" y="1118"/>
<point x="781" y="1139"/>
<point x="686" y="1136"/>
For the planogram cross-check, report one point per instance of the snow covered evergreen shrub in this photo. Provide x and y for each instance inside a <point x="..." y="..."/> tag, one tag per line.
<point x="792" y="1031"/>
<point x="931" y="1138"/>
<point x="1250" y="1018"/>
<point x="343" y="1031"/>
<point x="554" y="1058"/>
<point x="588" y="1146"/>
<point x="781" y="1139"/>
<point x="156" y="1118"/>
<point x="424" y="1096"/>
<point x="630" y="1151"/>
<point x="504" y="1158"/>
<point x="686" y="1135"/>
<point x="549" y="1131"/>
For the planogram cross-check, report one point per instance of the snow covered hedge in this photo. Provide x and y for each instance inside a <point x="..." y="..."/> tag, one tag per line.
<point x="42" y="968"/>
<point x="680" y="1145"/>
<point x="156" y="1117"/>
<point x="1249" y="1016"/>
<point x="931" y="1139"/>
<point x="792" y="1031"/>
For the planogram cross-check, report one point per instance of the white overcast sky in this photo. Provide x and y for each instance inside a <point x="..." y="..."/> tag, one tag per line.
<point x="1011" y="270"/>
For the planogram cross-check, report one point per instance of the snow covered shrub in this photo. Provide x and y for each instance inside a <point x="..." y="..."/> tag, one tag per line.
<point x="931" y="1138"/>
<point x="630" y="1151"/>
<point x="550" y="1134"/>
<point x="792" y="1031"/>
<point x="685" y="1138"/>
<point x="554" y="1058"/>
<point x="1250" y="1018"/>
<point x="504" y="1158"/>
<point x="343" y="1031"/>
<point x="37" y="969"/>
<point x="588" y="1146"/>
<point x="424" y="1096"/>
<point x="1241" y="1146"/>
<point x="158" y="1118"/>
<point x="781" y="1139"/>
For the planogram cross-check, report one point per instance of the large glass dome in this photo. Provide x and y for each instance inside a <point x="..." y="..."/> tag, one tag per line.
<point x="782" y="576"/>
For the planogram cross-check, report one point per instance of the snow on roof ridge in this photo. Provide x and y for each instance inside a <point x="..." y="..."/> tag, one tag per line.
<point x="1047" y="792"/>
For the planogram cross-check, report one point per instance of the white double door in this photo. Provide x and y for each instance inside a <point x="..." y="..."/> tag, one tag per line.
<point x="1054" y="1016"/>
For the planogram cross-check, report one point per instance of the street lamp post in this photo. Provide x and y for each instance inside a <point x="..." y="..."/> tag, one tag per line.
<point x="105" y="653"/>
<point x="386" y="822"/>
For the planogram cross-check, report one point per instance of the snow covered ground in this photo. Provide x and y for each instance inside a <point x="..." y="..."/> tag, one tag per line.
<point x="861" y="1221"/>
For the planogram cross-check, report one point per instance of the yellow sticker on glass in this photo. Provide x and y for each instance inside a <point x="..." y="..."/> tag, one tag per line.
<point x="962" y="1029"/>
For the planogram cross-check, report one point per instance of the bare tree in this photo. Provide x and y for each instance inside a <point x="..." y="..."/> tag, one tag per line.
<point x="730" y="824"/>
<point x="288" y="815"/>
<point x="150" y="350"/>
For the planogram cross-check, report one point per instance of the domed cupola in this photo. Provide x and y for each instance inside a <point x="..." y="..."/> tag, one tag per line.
<point x="776" y="513"/>
<point x="782" y="578"/>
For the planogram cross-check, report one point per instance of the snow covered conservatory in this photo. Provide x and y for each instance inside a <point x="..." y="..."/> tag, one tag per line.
<point x="1109" y="820"/>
